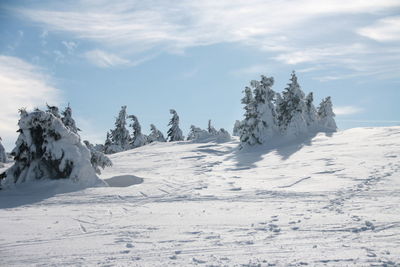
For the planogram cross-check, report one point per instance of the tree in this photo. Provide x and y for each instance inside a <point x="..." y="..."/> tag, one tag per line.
<point x="264" y="106"/>
<point x="292" y="109"/>
<point x="46" y="149"/>
<point x="248" y="127"/>
<point x="326" y="116"/>
<point x="68" y="121"/>
<point x="155" y="135"/>
<point x="197" y="134"/>
<point x="311" y="115"/>
<point x="211" y="129"/>
<point x="174" y="132"/>
<point x="138" y="139"/>
<point x="97" y="158"/>
<point x="3" y="155"/>
<point x="119" y="136"/>
<point x="236" y="128"/>
<point x="53" y="110"/>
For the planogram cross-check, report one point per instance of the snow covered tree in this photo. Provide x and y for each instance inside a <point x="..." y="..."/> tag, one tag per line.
<point x="68" y="121"/>
<point x="311" y="115"/>
<point x="3" y="155"/>
<point x="292" y="109"/>
<point x="236" y="128"/>
<point x="326" y="115"/>
<point x="174" y="132"/>
<point x="265" y="109"/>
<point x="248" y="127"/>
<point x="46" y="149"/>
<point x="53" y="110"/>
<point x="211" y="129"/>
<point x="97" y="158"/>
<point x="155" y="135"/>
<point x="223" y="135"/>
<point x="138" y="139"/>
<point x="120" y="135"/>
<point x="197" y="134"/>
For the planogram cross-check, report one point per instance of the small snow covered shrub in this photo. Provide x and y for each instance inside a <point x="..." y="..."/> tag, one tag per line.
<point x="155" y="135"/>
<point x="47" y="149"/>
<point x="197" y="134"/>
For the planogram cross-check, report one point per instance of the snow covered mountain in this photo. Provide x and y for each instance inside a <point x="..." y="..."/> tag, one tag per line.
<point x="327" y="200"/>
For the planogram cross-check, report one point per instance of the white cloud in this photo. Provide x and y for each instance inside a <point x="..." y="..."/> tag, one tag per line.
<point x="70" y="46"/>
<point x="21" y="85"/>
<point x="104" y="60"/>
<point x="346" y="110"/>
<point x="292" y="32"/>
<point x="387" y="29"/>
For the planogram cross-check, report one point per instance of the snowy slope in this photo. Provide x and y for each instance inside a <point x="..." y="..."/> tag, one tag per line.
<point x="330" y="200"/>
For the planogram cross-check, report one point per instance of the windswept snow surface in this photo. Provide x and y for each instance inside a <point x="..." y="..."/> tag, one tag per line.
<point x="326" y="200"/>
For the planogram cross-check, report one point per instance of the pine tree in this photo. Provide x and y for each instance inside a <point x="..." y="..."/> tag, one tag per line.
<point x="236" y="128"/>
<point x="292" y="109"/>
<point x="326" y="115"/>
<point x="155" y="135"/>
<point x="174" y="132"/>
<point x="211" y="129"/>
<point x="138" y="139"/>
<point x="68" y="121"/>
<point x="46" y="149"/>
<point x="311" y="112"/>
<point x="97" y="158"/>
<point x="53" y="110"/>
<point x="120" y="135"/>
<point x="248" y="127"/>
<point x="197" y="134"/>
<point x="3" y="155"/>
<point x="265" y="109"/>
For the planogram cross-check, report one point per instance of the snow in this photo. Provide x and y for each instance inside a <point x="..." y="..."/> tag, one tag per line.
<point x="331" y="199"/>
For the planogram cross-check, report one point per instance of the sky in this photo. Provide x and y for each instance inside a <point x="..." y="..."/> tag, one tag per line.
<point x="195" y="57"/>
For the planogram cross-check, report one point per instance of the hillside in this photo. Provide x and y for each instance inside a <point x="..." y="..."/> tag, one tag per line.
<point x="331" y="199"/>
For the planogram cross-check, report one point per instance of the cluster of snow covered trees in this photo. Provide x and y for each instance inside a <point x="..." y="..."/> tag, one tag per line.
<point x="49" y="146"/>
<point x="269" y="114"/>
<point x="119" y="139"/>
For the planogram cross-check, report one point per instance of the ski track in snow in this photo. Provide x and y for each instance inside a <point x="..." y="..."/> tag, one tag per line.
<point x="330" y="201"/>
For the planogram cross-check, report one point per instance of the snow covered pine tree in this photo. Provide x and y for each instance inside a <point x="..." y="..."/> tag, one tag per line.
<point x="68" y="121"/>
<point x="326" y="116"/>
<point x="119" y="137"/>
<point x="155" y="135"/>
<point x="97" y="158"/>
<point x="174" y="133"/>
<point x="3" y="155"/>
<point x="46" y="149"/>
<point x="138" y="139"/>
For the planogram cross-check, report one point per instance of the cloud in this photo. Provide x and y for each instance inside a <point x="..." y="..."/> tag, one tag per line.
<point x="70" y="46"/>
<point x="308" y="31"/>
<point x="21" y="85"/>
<point x="347" y="110"/>
<point x="103" y="59"/>
<point x="384" y="30"/>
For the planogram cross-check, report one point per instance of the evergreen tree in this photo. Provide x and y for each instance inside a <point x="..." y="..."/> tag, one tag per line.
<point x="3" y="155"/>
<point x="211" y="129"/>
<point x="68" y="121"/>
<point x="311" y="112"/>
<point x="326" y="115"/>
<point x="236" y="128"/>
<point x="248" y="127"/>
<point x="174" y="132"/>
<point x="138" y="139"/>
<point x="53" y="110"/>
<point x="265" y="109"/>
<point x="292" y="109"/>
<point x="97" y="158"/>
<point x="155" y="135"/>
<point x="45" y="148"/>
<point x="120" y="135"/>
<point x="197" y="134"/>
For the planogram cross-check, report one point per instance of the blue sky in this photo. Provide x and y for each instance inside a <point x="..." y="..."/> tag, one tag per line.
<point x="195" y="57"/>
